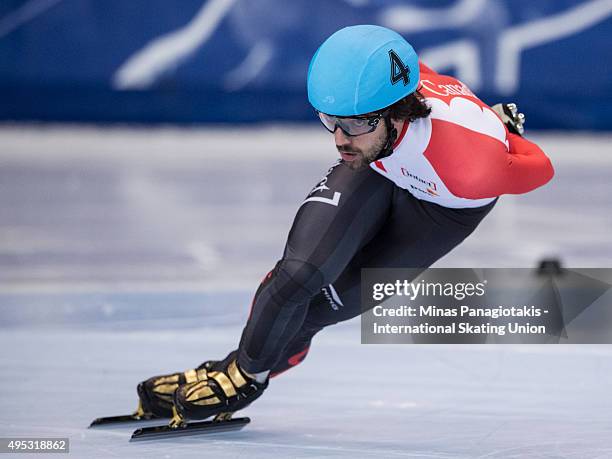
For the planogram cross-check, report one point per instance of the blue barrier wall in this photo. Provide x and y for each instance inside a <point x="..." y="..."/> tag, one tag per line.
<point x="246" y="60"/>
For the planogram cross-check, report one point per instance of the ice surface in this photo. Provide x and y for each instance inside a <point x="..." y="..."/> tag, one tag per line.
<point x="126" y="253"/>
<point x="345" y="400"/>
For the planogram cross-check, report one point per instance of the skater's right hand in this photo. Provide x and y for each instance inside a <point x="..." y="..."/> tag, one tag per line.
<point x="510" y="116"/>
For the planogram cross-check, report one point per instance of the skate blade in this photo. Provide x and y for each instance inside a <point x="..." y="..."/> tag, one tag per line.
<point x="191" y="428"/>
<point x="124" y="420"/>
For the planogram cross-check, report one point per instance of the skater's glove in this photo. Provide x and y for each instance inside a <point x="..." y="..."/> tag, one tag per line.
<point x="510" y="116"/>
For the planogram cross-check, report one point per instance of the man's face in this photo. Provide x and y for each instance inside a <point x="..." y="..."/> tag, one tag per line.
<point x="359" y="151"/>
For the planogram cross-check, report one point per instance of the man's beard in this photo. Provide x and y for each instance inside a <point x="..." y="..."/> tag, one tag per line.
<point x="365" y="157"/>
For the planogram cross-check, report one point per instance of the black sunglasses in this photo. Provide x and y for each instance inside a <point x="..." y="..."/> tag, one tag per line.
<point x="352" y="126"/>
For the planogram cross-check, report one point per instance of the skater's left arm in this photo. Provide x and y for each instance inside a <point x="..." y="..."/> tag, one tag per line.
<point x="491" y="172"/>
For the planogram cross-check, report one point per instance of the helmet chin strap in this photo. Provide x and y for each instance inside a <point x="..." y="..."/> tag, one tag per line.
<point x="391" y="137"/>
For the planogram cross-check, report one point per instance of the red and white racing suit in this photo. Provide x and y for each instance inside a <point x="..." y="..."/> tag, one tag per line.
<point x="405" y="211"/>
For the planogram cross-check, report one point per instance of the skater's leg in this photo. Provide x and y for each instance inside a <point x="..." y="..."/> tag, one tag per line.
<point x="340" y="216"/>
<point x="416" y="235"/>
<point x="413" y="234"/>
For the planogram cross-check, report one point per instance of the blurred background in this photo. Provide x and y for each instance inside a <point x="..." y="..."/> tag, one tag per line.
<point x="152" y="157"/>
<point x="229" y="61"/>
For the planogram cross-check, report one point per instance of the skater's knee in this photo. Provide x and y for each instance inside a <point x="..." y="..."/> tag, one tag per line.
<point x="299" y="280"/>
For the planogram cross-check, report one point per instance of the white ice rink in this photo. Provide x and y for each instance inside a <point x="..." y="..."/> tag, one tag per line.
<point x="126" y="253"/>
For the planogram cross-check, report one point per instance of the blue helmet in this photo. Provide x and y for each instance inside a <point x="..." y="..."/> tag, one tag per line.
<point x="361" y="69"/>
